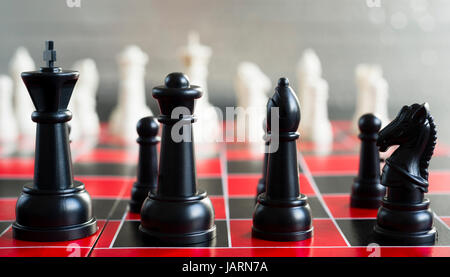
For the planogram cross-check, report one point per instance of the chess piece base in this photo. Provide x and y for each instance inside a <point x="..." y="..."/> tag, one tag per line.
<point x="367" y="195"/>
<point x="260" y="188"/>
<point x="293" y="236"/>
<point x="405" y="224"/>
<point x="282" y="220"/>
<point x="138" y="195"/>
<point x="55" y="234"/>
<point x="387" y="237"/>
<point x="178" y="220"/>
<point x="54" y="215"/>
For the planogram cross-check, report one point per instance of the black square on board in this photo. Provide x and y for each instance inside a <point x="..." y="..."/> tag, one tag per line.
<point x="440" y="163"/>
<point x="104" y="169"/>
<point x="213" y="186"/>
<point x="4" y="225"/>
<point x="12" y="187"/>
<point x="130" y="236"/>
<point x="247" y="166"/>
<point x="359" y="232"/>
<point x="334" y="184"/>
<point x="242" y="208"/>
<point x="103" y="208"/>
<point x="439" y="203"/>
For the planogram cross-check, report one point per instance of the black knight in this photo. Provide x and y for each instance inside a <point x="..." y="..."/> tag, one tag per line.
<point x="404" y="217"/>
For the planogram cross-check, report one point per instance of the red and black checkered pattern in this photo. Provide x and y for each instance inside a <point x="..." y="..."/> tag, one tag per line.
<point x="229" y="172"/>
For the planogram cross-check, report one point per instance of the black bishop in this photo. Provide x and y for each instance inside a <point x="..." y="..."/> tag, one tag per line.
<point x="282" y="212"/>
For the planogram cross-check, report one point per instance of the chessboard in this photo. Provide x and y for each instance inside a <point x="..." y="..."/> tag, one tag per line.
<point x="229" y="172"/>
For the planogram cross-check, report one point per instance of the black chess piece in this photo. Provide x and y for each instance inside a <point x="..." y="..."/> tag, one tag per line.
<point x="261" y="187"/>
<point x="282" y="212"/>
<point x="147" y="169"/>
<point x="178" y="213"/>
<point x="54" y="207"/>
<point x="367" y="191"/>
<point x="404" y="217"/>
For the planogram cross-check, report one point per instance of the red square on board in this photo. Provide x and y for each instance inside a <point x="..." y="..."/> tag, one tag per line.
<point x="245" y="185"/>
<point x="243" y="154"/>
<point x="333" y="164"/>
<point x="109" y="156"/>
<point x="108" y="234"/>
<point x="325" y="234"/>
<point x="8" y="209"/>
<point x="107" y="187"/>
<point x="208" y="167"/>
<point x="73" y="248"/>
<point x="339" y="206"/>
<point x="439" y="181"/>
<point x="23" y="167"/>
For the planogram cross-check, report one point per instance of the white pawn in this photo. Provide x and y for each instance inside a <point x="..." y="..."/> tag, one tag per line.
<point x="252" y="87"/>
<point x="131" y="105"/>
<point x="20" y="62"/>
<point x="195" y="58"/>
<point x="372" y="94"/>
<point x="315" y="125"/>
<point x="8" y="126"/>
<point x="85" y="119"/>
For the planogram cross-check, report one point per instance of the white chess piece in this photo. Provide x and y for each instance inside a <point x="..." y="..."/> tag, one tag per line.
<point x="380" y="89"/>
<point x="85" y="118"/>
<point x="315" y="125"/>
<point x="195" y="58"/>
<point x="372" y="94"/>
<point x="320" y="130"/>
<point x="131" y="105"/>
<point x="252" y="88"/>
<point x="8" y="126"/>
<point x="23" y="106"/>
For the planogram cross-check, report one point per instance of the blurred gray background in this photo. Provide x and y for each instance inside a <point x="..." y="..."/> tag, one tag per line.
<point x="409" y="38"/>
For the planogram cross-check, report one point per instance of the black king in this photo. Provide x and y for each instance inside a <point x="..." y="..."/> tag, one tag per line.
<point x="54" y="207"/>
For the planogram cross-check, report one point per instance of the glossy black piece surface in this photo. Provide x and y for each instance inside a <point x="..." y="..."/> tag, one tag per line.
<point x="147" y="168"/>
<point x="367" y="191"/>
<point x="177" y="213"/>
<point x="54" y="207"/>
<point x="405" y="217"/>
<point x="282" y="213"/>
<point x="261" y="187"/>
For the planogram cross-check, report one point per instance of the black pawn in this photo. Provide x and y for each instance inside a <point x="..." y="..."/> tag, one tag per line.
<point x="262" y="181"/>
<point x="178" y="213"/>
<point x="54" y="207"/>
<point x="282" y="213"/>
<point x="147" y="169"/>
<point x="367" y="191"/>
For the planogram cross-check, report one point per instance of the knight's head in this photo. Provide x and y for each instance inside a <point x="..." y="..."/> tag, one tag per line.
<point x="405" y="127"/>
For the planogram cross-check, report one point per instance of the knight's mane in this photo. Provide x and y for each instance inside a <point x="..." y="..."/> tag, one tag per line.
<point x="429" y="148"/>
